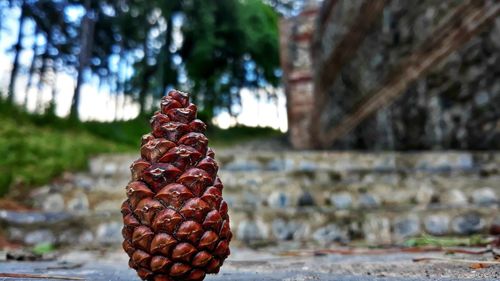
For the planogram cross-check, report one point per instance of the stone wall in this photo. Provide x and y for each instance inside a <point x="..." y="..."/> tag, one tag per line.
<point x="298" y="198"/>
<point x="455" y="106"/>
<point x="383" y="198"/>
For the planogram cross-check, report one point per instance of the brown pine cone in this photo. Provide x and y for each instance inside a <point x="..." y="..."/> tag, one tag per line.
<point x="176" y="225"/>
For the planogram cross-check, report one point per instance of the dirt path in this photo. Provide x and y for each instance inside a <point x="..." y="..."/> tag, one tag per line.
<point x="249" y="265"/>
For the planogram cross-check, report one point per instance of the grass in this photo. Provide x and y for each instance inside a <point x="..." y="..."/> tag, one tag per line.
<point x="239" y="134"/>
<point x="37" y="148"/>
<point x="34" y="152"/>
<point x="124" y="132"/>
<point x="428" y="240"/>
<point x="130" y="132"/>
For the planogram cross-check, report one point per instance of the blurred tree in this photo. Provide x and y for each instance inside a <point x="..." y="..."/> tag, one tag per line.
<point x="45" y="57"/>
<point x="147" y="66"/>
<point x="287" y="7"/>
<point x="17" y="52"/>
<point x="169" y="72"/>
<point x="154" y="72"/>
<point x="49" y="20"/>
<point x="31" y="71"/>
<point x="86" y="36"/>
<point x="228" y="45"/>
<point x="143" y="48"/>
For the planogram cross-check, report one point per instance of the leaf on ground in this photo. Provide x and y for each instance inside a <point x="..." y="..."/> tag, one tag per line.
<point x="484" y="264"/>
<point x="23" y="276"/>
<point x="479" y="265"/>
<point x="43" y="248"/>
<point x="65" y="265"/>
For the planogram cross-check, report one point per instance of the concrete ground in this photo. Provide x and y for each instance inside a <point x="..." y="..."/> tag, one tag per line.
<point x="248" y="265"/>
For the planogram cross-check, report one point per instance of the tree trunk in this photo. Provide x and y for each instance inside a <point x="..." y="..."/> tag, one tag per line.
<point x="43" y="71"/>
<point x="120" y="77"/>
<point x="143" y="93"/>
<point x="53" y="99"/>
<point x="167" y="63"/>
<point x="146" y="71"/>
<point x="125" y="84"/>
<point x="86" y="35"/>
<point x="31" y="72"/>
<point x="117" y="104"/>
<point x="18" y="48"/>
<point x="209" y="101"/>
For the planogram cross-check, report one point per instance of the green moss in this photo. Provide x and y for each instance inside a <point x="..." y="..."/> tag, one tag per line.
<point x="43" y="248"/>
<point x="428" y="240"/>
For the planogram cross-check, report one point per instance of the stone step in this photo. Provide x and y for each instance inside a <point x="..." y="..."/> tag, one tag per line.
<point x="281" y="190"/>
<point x="315" y="197"/>
<point x="287" y="190"/>
<point x="282" y="198"/>
<point x="304" y="161"/>
<point x="62" y="228"/>
<point x="380" y="226"/>
<point x="357" y="161"/>
<point x="316" y="225"/>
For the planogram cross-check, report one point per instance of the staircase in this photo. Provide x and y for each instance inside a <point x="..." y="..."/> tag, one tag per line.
<point x="292" y="198"/>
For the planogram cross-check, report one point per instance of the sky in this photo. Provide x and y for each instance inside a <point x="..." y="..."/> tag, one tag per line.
<point x="256" y="109"/>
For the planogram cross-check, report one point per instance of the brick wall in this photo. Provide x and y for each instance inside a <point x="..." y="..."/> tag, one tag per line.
<point x="295" y="42"/>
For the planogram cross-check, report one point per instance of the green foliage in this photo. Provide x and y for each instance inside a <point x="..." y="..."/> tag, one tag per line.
<point x="260" y="25"/>
<point x="229" y="45"/>
<point x="226" y="45"/>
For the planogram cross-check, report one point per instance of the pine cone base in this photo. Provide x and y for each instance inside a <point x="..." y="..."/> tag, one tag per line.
<point x="176" y="225"/>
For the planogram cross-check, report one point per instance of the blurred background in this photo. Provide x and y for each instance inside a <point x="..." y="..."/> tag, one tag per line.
<point x="361" y="122"/>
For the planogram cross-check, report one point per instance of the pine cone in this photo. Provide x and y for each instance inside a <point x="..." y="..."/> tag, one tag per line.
<point x="176" y="225"/>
